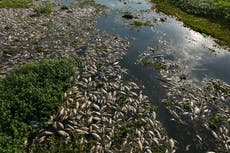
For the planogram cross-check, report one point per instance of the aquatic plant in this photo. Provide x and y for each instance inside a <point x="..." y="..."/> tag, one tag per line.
<point x="160" y="65"/>
<point x="138" y="23"/>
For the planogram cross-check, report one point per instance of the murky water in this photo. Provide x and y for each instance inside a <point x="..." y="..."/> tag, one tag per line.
<point x="189" y="48"/>
<point x="196" y="52"/>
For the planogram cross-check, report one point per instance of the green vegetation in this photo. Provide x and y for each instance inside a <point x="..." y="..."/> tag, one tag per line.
<point x="216" y="9"/>
<point x="15" y="3"/>
<point x="215" y="122"/>
<point x="213" y="20"/>
<point x="55" y="145"/>
<point x="31" y="93"/>
<point x="160" y="65"/>
<point x="153" y="107"/>
<point x="45" y="8"/>
<point x="123" y="131"/>
<point x="156" y="64"/>
<point x="138" y="23"/>
<point x="167" y="102"/>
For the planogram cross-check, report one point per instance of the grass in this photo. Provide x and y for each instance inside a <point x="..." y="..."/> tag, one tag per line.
<point x="219" y="29"/>
<point x="54" y="145"/>
<point x="45" y="8"/>
<point x="31" y="93"/>
<point x="216" y="9"/>
<point x="215" y="122"/>
<point x="15" y="3"/>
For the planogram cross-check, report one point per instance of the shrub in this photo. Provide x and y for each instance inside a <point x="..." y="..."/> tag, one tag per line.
<point x="31" y="93"/>
<point x="45" y="8"/>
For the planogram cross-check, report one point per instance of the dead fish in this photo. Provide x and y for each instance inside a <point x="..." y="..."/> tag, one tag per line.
<point x="214" y="134"/>
<point x="96" y="136"/>
<point x="63" y="133"/>
<point x="60" y="125"/>
<point x="158" y="134"/>
<point x="81" y="131"/>
<point x="97" y="118"/>
<point x="140" y="144"/>
<point x="171" y="143"/>
<point x="199" y="137"/>
<point x="41" y="139"/>
<point x="156" y="141"/>
<point x="148" y="151"/>
<point x="95" y="106"/>
<point x="48" y="133"/>
<point x="188" y="147"/>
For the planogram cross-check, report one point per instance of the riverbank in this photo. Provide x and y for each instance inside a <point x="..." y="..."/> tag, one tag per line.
<point x="100" y="112"/>
<point x="213" y="27"/>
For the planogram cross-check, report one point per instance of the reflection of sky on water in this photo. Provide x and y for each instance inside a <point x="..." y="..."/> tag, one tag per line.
<point x="119" y="4"/>
<point x="66" y="2"/>
<point x="191" y="49"/>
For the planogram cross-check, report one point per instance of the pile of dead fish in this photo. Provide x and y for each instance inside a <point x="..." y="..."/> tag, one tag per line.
<point x="192" y="103"/>
<point x="101" y="109"/>
<point x="26" y="37"/>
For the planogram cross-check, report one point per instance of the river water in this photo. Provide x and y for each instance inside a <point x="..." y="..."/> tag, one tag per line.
<point x="198" y="53"/>
<point x="200" y="56"/>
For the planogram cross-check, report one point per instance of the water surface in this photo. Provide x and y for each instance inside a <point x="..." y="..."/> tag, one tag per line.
<point x="199" y="55"/>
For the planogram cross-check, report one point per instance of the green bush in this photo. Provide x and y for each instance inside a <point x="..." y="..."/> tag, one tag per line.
<point x="215" y="25"/>
<point x="45" y="8"/>
<point x="217" y="9"/>
<point x="32" y="93"/>
<point x="15" y="3"/>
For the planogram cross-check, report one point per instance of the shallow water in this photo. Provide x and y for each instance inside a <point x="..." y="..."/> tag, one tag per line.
<point x="196" y="52"/>
<point x="199" y="55"/>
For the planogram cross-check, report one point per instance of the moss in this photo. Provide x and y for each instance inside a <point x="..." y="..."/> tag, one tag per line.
<point x="31" y="92"/>
<point x="160" y="65"/>
<point x="15" y="3"/>
<point x="213" y="27"/>
<point x="138" y="23"/>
